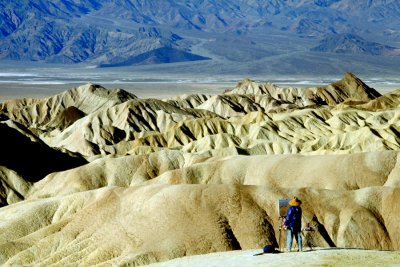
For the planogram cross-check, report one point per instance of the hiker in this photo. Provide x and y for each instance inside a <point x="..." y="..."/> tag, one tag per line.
<point x="293" y="224"/>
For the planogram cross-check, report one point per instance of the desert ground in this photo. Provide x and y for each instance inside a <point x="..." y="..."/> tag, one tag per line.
<point x="97" y="176"/>
<point x="316" y="257"/>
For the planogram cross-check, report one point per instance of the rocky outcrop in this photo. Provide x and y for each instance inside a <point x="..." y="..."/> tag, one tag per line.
<point x="350" y="87"/>
<point x="13" y="187"/>
<point x="61" y="110"/>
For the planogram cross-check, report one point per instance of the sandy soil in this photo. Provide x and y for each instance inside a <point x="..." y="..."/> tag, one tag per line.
<point x="318" y="257"/>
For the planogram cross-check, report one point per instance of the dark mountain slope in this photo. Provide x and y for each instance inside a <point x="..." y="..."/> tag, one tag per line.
<point x="354" y="44"/>
<point x="33" y="160"/>
<point x="158" y="56"/>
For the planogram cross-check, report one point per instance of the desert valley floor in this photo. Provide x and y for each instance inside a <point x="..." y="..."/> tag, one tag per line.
<point x="99" y="176"/>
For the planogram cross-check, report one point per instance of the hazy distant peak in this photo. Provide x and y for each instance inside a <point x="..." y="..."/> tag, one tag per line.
<point x="353" y="44"/>
<point x="157" y="56"/>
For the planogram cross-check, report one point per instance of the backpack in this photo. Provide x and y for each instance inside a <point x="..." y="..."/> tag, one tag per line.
<point x="269" y="249"/>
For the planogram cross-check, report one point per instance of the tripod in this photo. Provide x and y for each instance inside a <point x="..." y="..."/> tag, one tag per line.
<point x="308" y="233"/>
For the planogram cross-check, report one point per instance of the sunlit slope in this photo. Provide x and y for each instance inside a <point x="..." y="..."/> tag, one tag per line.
<point x="144" y="224"/>
<point x="346" y="116"/>
<point x="333" y="172"/>
<point x="97" y="176"/>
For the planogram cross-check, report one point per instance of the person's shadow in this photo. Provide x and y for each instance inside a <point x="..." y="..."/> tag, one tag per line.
<point x="322" y="231"/>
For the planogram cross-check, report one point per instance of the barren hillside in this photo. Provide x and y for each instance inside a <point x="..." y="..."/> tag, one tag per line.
<point x="97" y="176"/>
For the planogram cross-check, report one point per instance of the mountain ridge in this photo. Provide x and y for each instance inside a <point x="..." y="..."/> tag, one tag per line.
<point x="210" y="124"/>
<point x="107" y="32"/>
<point x="157" y="56"/>
<point x="354" y="44"/>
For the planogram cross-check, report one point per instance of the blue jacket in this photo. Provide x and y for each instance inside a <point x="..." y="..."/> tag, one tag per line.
<point x="293" y="217"/>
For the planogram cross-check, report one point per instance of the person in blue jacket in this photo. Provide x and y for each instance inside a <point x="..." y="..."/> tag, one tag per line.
<point x="293" y="224"/>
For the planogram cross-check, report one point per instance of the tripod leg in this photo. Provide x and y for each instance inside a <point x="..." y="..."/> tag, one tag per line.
<point x="279" y="242"/>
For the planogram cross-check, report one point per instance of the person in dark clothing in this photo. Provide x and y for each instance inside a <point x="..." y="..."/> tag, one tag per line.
<point x="293" y="224"/>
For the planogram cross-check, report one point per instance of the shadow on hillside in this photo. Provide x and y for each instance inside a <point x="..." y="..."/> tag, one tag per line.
<point x="33" y="160"/>
<point x="322" y="231"/>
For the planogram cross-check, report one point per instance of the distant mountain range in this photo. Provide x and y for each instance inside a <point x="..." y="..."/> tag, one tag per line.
<point x="123" y="32"/>
<point x="351" y="43"/>
<point x="158" y="56"/>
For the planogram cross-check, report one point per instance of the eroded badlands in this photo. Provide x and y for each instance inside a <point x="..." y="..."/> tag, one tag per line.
<point x="99" y="176"/>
